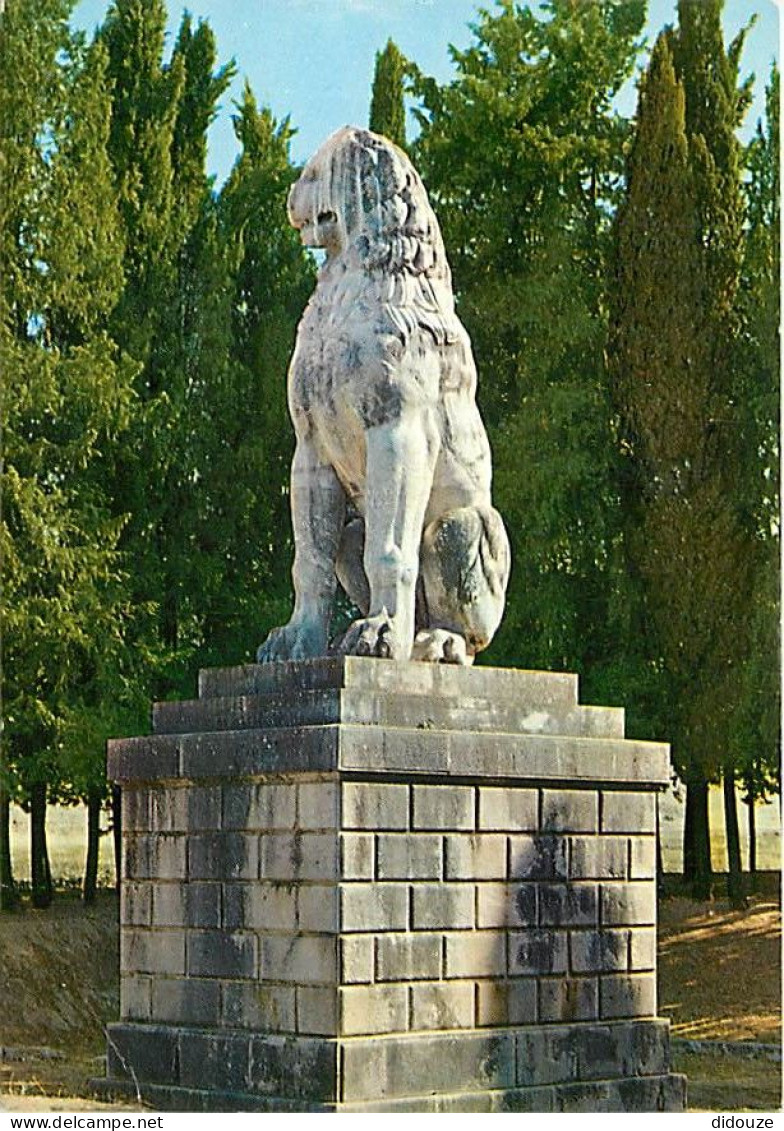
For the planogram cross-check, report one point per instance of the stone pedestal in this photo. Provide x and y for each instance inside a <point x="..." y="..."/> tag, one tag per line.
<point x="351" y="884"/>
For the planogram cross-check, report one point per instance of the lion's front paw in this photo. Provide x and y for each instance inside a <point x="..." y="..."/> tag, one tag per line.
<point x="294" y="641"/>
<point x="375" y="636"/>
<point x="437" y="646"/>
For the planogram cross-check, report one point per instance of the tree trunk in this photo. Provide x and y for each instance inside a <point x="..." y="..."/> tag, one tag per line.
<point x="117" y="834"/>
<point x="752" y="841"/>
<point x="8" y="894"/>
<point x="735" y="886"/>
<point x="90" y="885"/>
<point x="697" y="867"/>
<point x="40" y="872"/>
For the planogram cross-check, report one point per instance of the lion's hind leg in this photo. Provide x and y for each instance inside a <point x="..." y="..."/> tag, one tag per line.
<point x="464" y="569"/>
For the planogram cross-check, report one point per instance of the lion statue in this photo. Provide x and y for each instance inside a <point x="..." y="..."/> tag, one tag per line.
<point x="390" y="483"/>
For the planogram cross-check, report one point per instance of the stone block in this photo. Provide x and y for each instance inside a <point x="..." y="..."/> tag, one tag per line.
<point x="568" y="999"/>
<point x="570" y="810"/>
<point x="508" y="809"/>
<point x="442" y="906"/>
<point x="223" y="856"/>
<point x="136" y="904"/>
<point x="642" y="858"/>
<point x="374" y="907"/>
<point x="270" y="906"/>
<point x="185" y="808"/>
<point x="500" y="1002"/>
<point x="215" y="1060"/>
<point x="599" y="951"/>
<point x="317" y="1010"/>
<point x="474" y="954"/>
<point x="186" y="1001"/>
<point x="168" y="907"/>
<point x="627" y="995"/>
<point x="546" y="1056"/>
<point x="303" y="1068"/>
<point x="357" y="855"/>
<point x="318" y="908"/>
<point x="136" y="997"/>
<point x="642" y="948"/>
<point x="481" y="856"/>
<point x="375" y="805"/>
<point x="427" y="1065"/>
<point x="409" y="856"/>
<point x="373" y="1009"/>
<point x="443" y="807"/>
<point x="143" y="1052"/>
<point x="259" y="807"/>
<point x="304" y="959"/>
<point x="568" y="905"/>
<point x="318" y="805"/>
<point x="537" y="857"/>
<point x="506" y="905"/>
<point x="135" y="809"/>
<point x="632" y="903"/>
<point x="624" y="811"/>
<point x="243" y="754"/>
<point x="135" y="760"/>
<point x="440" y="1005"/>
<point x="623" y="1049"/>
<point x="598" y="858"/>
<point x="218" y="954"/>
<point x="152" y="951"/>
<point x="167" y="857"/>
<point x="537" y="952"/>
<point x="408" y="957"/>
<point x="258" y="1005"/>
<point x="136" y="857"/>
<point x="203" y="905"/>
<point x="299" y="856"/>
<point x="646" y="1050"/>
<point x="357" y="958"/>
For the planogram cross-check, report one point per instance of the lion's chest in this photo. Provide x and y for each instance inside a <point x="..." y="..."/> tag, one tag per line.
<point x="346" y="375"/>
<point x="335" y="360"/>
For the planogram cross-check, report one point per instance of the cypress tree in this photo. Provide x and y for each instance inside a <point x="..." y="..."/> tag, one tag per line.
<point x="757" y="734"/>
<point x="715" y="106"/>
<point x="268" y="278"/>
<point x="673" y="322"/>
<point x="159" y="119"/>
<point x="66" y="399"/>
<point x="387" y="108"/>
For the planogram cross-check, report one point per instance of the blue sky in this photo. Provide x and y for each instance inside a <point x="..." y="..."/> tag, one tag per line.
<point x="313" y="59"/>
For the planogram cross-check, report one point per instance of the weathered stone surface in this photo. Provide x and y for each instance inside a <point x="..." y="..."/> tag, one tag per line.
<point x="358" y="706"/>
<point x="618" y="1066"/>
<point x="425" y="917"/>
<point x="391" y="472"/>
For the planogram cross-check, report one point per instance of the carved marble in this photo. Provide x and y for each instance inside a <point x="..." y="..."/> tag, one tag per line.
<point x="390" y="483"/>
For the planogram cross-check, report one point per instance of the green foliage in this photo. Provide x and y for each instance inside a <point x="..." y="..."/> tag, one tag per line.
<point x="387" y="108"/>
<point x="692" y="458"/>
<point x="66" y="397"/>
<point x="757" y="730"/>
<point x="269" y="280"/>
<point x="523" y="154"/>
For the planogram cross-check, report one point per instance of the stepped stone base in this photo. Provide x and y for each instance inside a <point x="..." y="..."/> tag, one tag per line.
<point x="352" y="885"/>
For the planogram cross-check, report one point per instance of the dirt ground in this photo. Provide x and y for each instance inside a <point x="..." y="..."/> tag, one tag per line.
<point x="720" y="970"/>
<point x="719" y="979"/>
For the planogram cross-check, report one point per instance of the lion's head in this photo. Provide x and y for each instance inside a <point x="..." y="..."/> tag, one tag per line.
<point x="360" y="197"/>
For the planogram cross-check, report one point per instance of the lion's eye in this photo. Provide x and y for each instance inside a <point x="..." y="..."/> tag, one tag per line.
<point x="327" y="218"/>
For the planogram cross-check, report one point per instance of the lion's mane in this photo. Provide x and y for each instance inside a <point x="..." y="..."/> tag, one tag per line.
<point x="387" y="229"/>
